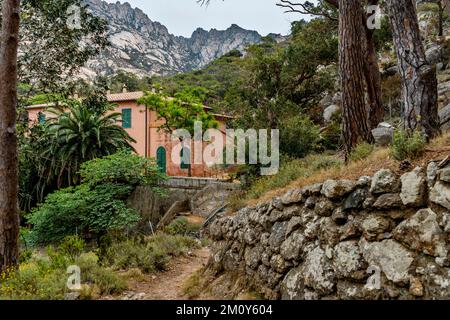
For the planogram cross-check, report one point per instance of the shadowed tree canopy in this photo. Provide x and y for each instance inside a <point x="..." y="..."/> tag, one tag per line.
<point x="51" y="51"/>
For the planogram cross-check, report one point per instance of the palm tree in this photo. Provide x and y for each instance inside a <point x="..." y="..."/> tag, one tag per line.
<point x="79" y="134"/>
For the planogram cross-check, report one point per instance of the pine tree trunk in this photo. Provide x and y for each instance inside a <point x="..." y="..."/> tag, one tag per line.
<point x="371" y="71"/>
<point x="373" y="77"/>
<point x="441" y="18"/>
<point x="356" y="127"/>
<point x="373" y="82"/>
<point x="418" y="76"/>
<point x="9" y="217"/>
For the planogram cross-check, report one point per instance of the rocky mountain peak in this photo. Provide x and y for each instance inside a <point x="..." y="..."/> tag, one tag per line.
<point x="146" y="47"/>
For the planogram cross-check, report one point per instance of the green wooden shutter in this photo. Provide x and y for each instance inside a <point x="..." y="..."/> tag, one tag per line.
<point x="185" y="164"/>
<point x="126" y="118"/>
<point x="161" y="159"/>
<point x="41" y="118"/>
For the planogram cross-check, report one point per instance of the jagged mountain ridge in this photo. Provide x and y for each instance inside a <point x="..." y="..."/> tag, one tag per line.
<point x="145" y="47"/>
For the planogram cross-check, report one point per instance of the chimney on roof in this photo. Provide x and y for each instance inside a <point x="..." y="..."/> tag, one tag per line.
<point x="124" y="88"/>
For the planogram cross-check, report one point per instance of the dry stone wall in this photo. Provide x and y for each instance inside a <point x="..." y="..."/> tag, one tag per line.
<point x="381" y="237"/>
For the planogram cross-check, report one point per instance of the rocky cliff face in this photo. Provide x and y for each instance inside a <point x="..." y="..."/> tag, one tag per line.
<point x="145" y="47"/>
<point x="382" y="237"/>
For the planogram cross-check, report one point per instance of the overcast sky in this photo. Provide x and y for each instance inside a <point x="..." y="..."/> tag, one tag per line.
<point x="182" y="17"/>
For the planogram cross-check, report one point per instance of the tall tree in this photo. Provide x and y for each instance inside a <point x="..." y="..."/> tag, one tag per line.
<point x="356" y="126"/>
<point x="418" y="75"/>
<point x="79" y="134"/>
<point x="51" y="49"/>
<point x="372" y="74"/>
<point x="9" y="217"/>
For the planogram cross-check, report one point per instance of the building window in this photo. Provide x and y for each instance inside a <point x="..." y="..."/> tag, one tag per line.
<point x="185" y="155"/>
<point x="41" y="118"/>
<point x="126" y="118"/>
<point x="161" y="159"/>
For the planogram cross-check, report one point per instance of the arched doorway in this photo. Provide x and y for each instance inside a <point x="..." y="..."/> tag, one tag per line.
<point x="161" y="159"/>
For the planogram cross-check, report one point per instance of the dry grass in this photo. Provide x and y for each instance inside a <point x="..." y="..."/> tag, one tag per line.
<point x="194" y="285"/>
<point x="381" y="158"/>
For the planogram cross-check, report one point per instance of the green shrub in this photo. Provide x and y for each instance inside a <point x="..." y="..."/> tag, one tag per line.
<point x="408" y="145"/>
<point x="56" y="258"/>
<point x="149" y="255"/>
<point x="331" y="135"/>
<point x="99" y="204"/>
<point x="72" y="247"/>
<point x="182" y="226"/>
<point x="44" y="277"/>
<point x="103" y="278"/>
<point x="192" y="288"/>
<point x="299" y="136"/>
<point x="121" y="168"/>
<point x="107" y="281"/>
<point x="25" y="255"/>
<point x="361" y="151"/>
<point x="33" y="281"/>
<point x="24" y="237"/>
<point x="81" y="210"/>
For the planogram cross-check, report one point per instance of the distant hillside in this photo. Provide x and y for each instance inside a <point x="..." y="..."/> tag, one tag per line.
<point x="216" y="78"/>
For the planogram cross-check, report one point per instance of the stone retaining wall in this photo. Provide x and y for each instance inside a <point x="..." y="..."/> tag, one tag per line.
<point x="381" y="237"/>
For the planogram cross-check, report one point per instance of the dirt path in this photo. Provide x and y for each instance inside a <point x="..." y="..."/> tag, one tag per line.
<point x="168" y="285"/>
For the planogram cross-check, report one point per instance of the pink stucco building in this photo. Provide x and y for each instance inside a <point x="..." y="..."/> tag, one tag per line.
<point x="142" y="124"/>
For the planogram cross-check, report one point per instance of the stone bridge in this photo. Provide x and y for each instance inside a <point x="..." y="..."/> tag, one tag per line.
<point x="201" y="196"/>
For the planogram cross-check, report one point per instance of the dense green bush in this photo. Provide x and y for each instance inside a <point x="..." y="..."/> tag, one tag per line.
<point x="298" y="136"/>
<point x="121" y="168"/>
<point x="408" y="144"/>
<point x="98" y="205"/>
<point x="82" y="210"/>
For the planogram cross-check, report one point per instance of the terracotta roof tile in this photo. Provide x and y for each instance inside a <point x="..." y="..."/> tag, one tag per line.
<point x="125" y="96"/>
